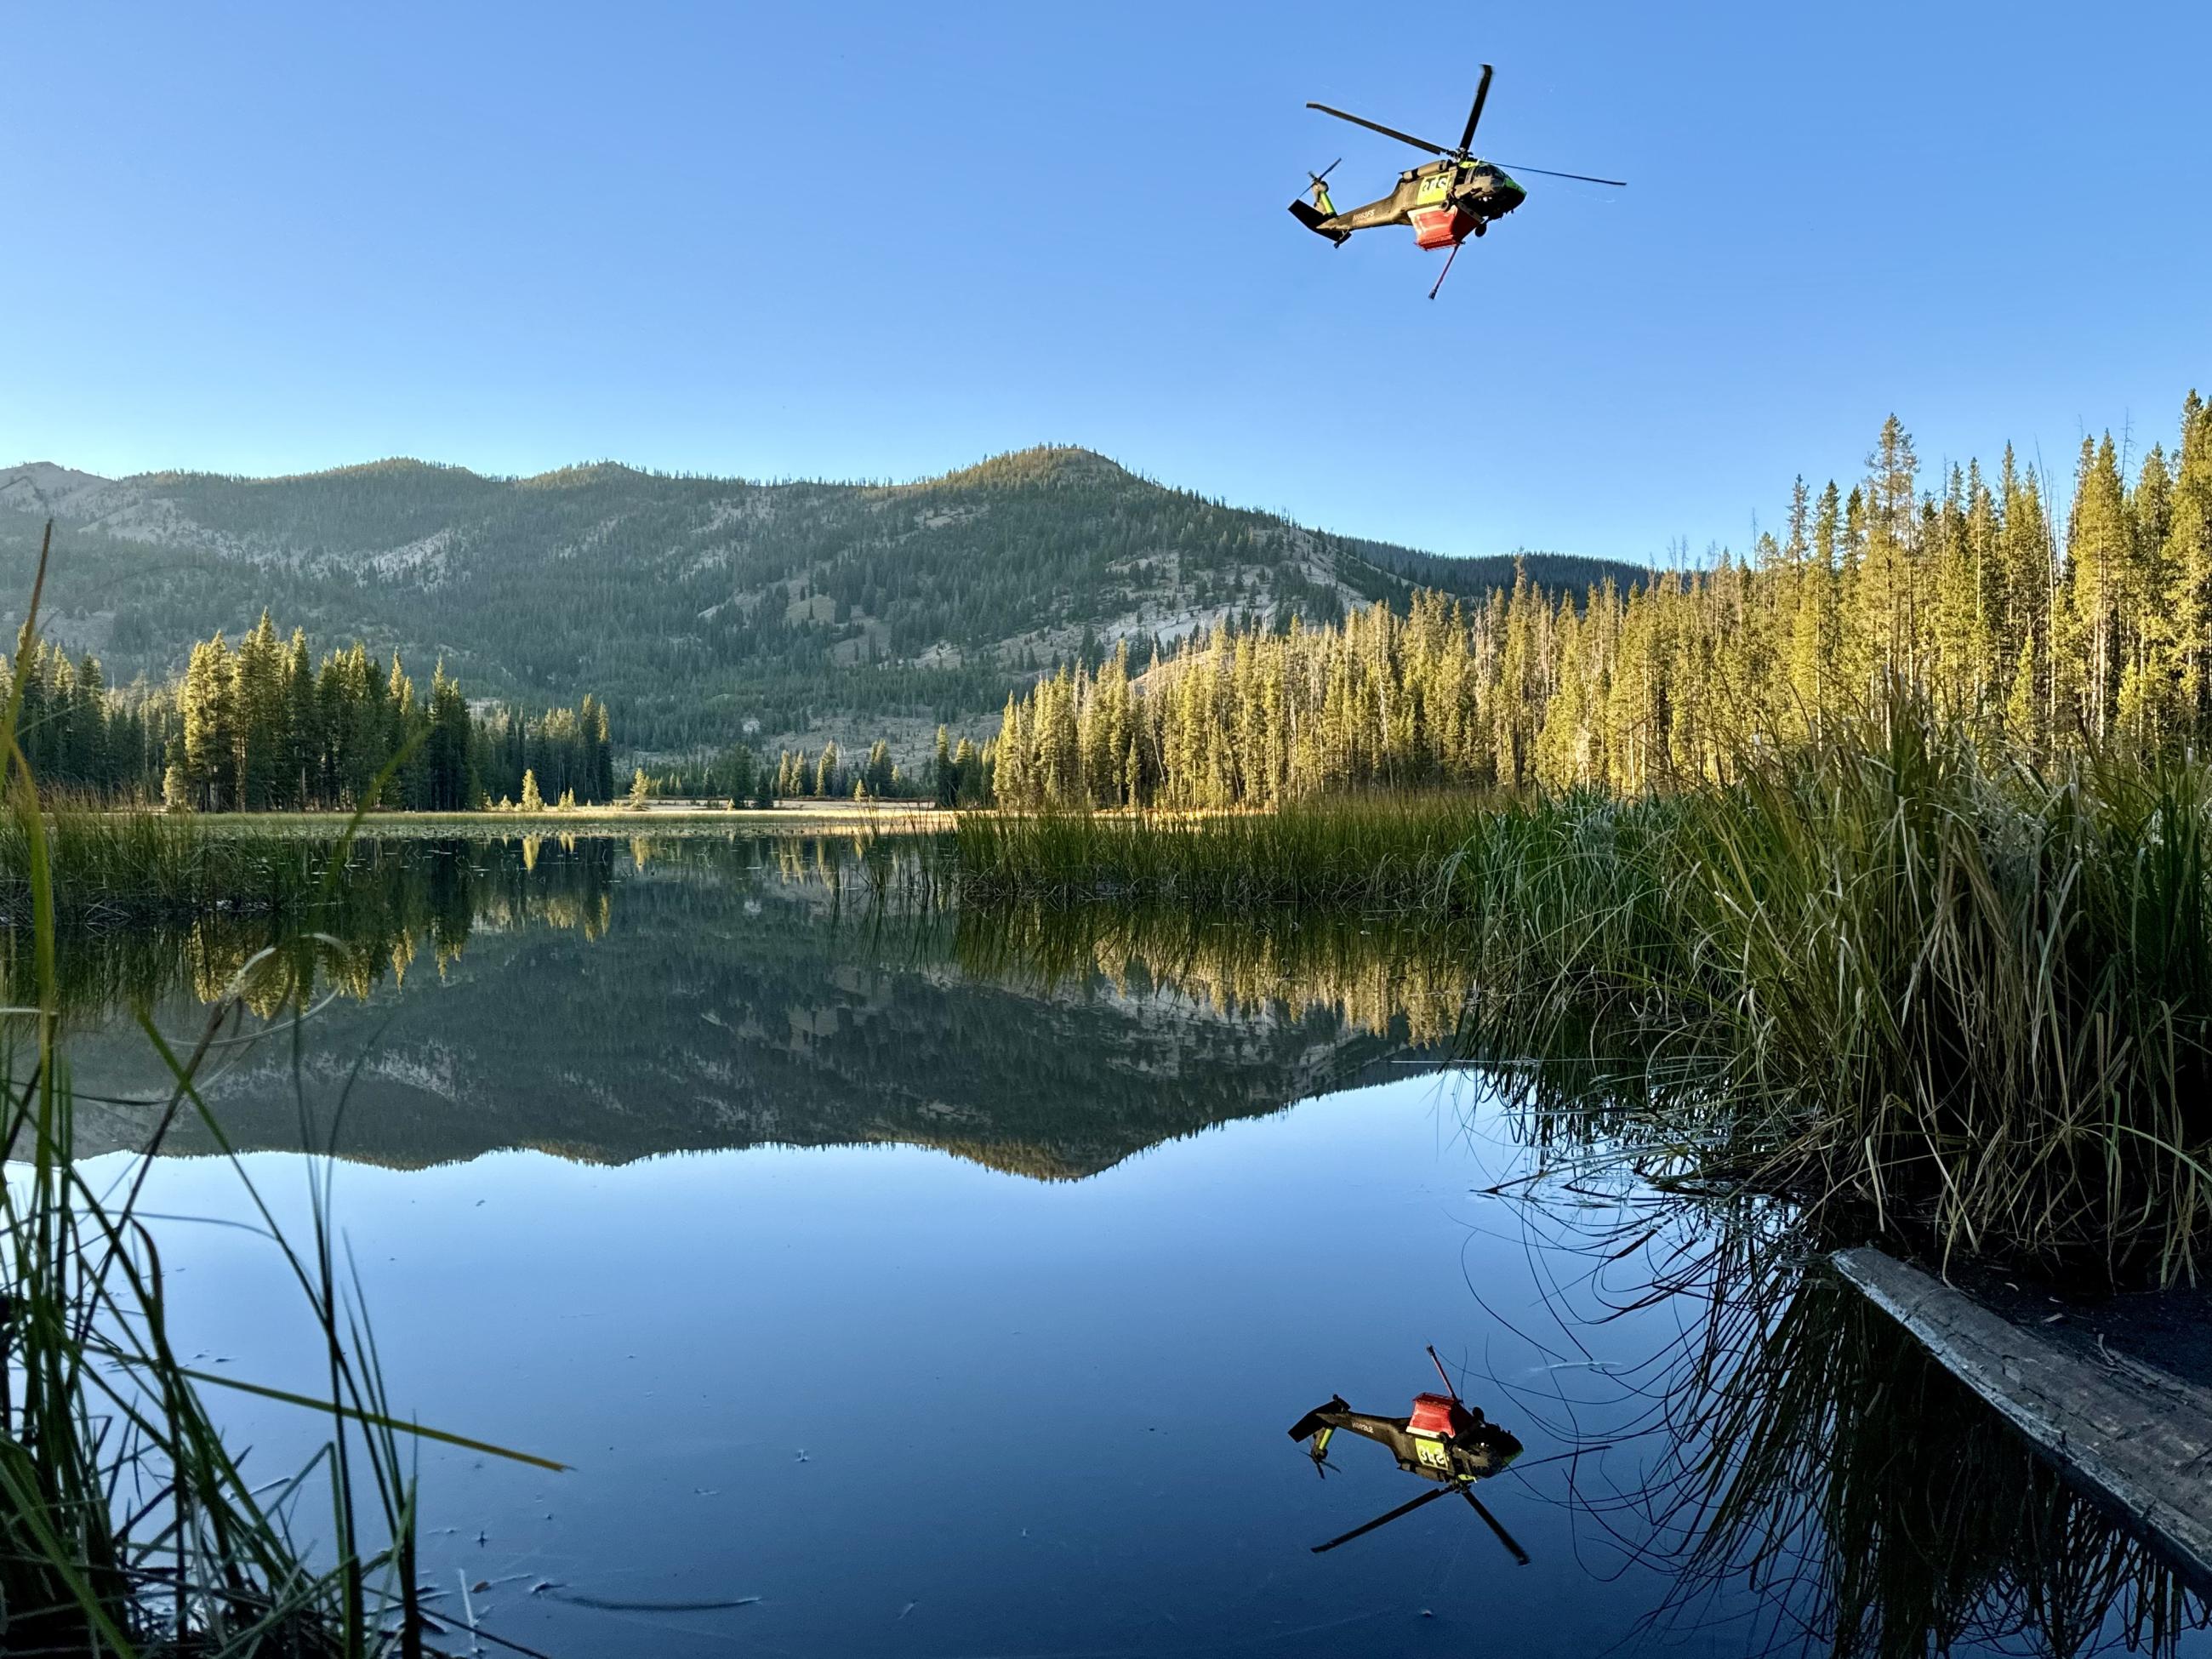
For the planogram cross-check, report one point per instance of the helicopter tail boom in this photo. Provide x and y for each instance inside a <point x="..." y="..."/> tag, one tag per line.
<point x="1318" y="1418"/>
<point x="1318" y="222"/>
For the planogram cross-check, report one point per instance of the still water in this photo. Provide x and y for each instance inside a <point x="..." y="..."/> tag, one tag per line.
<point x="900" y="1282"/>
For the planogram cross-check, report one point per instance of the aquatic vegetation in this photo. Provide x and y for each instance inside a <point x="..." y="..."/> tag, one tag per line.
<point x="1968" y="997"/>
<point x="1788" y="1437"/>
<point x="110" y="869"/>
<point x="1887" y="968"/>
<point x="128" y="1524"/>
<point x="1361" y="852"/>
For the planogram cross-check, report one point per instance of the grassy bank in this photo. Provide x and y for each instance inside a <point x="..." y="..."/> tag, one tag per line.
<point x="1888" y="972"/>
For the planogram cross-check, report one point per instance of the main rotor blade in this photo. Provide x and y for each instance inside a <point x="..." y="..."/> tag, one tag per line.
<point x="1387" y="132"/>
<point x="1430" y="1497"/>
<point x="1475" y="114"/>
<point x="1503" y="1537"/>
<point x="1618" y="184"/>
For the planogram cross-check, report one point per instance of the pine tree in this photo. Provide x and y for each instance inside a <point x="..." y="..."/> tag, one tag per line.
<point x="209" y="703"/>
<point x="2186" y="561"/>
<point x="1010" y="774"/>
<point x="968" y="788"/>
<point x="945" y="779"/>
<point x="2097" y="557"/>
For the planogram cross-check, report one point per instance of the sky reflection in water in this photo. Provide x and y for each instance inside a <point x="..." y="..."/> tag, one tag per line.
<point x="917" y="1404"/>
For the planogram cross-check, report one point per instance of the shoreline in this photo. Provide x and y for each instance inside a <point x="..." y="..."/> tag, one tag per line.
<point x="900" y="818"/>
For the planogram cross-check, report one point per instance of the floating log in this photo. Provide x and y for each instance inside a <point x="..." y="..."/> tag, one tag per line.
<point x="2134" y="1438"/>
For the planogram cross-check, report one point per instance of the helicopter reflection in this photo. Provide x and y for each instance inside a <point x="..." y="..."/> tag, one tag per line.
<point x="1443" y="1439"/>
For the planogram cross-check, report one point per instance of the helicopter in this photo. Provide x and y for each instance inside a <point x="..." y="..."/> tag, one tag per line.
<point x="1445" y="201"/>
<point x="1443" y="1439"/>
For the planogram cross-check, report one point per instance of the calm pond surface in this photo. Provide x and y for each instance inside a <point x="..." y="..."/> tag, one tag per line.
<point x="919" y="1284"/>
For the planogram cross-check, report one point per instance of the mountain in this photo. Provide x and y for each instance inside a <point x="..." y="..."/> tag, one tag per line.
<point x="701" y="609"/>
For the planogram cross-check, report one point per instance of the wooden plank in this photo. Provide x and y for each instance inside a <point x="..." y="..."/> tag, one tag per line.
<point x="2134" y="1436"/>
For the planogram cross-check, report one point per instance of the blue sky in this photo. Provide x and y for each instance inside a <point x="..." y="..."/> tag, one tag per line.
<point x="879" y="242"/>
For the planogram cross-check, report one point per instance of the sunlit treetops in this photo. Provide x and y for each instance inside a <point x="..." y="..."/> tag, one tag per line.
<point x="1967" y="590"/>
<point x="263" y="726"/>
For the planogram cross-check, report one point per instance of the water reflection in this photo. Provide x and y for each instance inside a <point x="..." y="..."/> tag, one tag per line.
<point x="1803" y="1472"/>
<point x="1443" y="1439"/>
<point x="1866" y="1492"/>
<point x="609" y="1001"/>
<point x="1726" y="1451"/>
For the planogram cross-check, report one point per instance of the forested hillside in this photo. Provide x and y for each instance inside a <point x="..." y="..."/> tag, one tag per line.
<point x="704" y="611"/>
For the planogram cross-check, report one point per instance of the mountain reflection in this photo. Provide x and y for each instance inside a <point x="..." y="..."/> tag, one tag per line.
<point x="609" y="999"/>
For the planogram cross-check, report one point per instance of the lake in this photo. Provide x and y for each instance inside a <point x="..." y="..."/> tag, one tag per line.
<point x="903" y="1281"/>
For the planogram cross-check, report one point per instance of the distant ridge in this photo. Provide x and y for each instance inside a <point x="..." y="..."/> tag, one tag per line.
<point x="704" y="610"/>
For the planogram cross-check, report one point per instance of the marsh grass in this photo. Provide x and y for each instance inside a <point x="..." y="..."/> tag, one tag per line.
<point x="1925" y="987"/>
<point x="1383" y="852"/>
<point x="1974" y="993"/>
<point x="127" y="1524"/>
<point x="108" y="869"/>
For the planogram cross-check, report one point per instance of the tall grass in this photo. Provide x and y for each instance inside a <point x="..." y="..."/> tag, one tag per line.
<point x="1357" y="852"/>
<point x="1966" y="991"/>
<point x="1889" y="972"/>
<point x="131" y="868"/>
<point x="127" y="1526"/>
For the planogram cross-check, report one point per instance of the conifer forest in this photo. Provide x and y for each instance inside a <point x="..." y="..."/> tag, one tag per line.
<point x="2039" y="626"/>
<point x="2035" y="634"/>
<point x="263" y="726"/>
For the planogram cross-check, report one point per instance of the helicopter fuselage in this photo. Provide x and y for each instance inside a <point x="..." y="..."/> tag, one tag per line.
<point x="1445" y="202"/>
<point x="1441" y="1440"/>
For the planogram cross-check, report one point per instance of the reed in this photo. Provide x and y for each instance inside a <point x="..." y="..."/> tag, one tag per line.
<point x="1354" y="852"/>
<point x="131" y="868"/>
<point x="126" y="1525"/>
<point x="1894" y="971"/>
<point x="1968" y="997"/>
